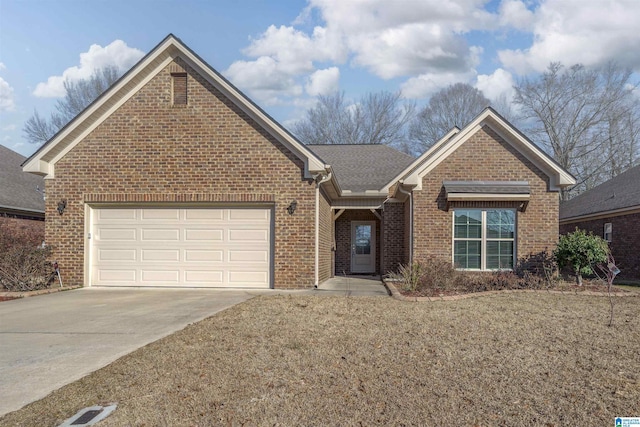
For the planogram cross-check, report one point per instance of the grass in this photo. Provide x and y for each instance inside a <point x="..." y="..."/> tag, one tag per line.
<point x="500" y="360"/>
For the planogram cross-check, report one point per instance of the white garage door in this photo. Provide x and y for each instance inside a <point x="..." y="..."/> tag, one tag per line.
<point x="181" y="247"/>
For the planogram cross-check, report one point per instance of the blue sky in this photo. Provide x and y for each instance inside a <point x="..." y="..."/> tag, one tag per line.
<point x="284" y="53"/>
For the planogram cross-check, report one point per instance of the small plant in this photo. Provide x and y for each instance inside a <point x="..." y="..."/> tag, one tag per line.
<point x="581" y="251"/>
<point x="609" y="270"/>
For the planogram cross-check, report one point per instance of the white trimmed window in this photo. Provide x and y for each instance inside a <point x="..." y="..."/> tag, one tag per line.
<point x="484" y="239"/>
<point x="608" y="232"/>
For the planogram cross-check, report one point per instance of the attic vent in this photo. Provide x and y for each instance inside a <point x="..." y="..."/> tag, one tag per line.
<point x="179" y="83"/>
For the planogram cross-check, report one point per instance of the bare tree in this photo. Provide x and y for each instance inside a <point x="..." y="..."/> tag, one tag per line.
<point x="78" y="95"/>
<point x="455" y="105"/>
<point x="377" y="118"/>
<point x="587" y="119"/>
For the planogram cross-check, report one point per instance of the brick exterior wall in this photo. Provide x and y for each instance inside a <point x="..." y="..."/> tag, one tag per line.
<point x="625" y="240"/>
<point x="343" y="239"/>
<point x="325" y="267"/>
<point x="393" y="237"/>
<point x="208" y="150"/>
<point x="484" y="156"/>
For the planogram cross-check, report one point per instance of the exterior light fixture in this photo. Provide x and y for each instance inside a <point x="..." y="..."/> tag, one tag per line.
<point x="292" y="207"/>
<point x="62" y="204"/>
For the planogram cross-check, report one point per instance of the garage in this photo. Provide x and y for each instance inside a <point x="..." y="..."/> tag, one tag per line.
<point x="182" y="247"/>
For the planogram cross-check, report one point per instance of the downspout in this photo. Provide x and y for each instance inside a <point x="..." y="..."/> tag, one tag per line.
<point x="410" y="194"/>
<point x="324" y="178"/>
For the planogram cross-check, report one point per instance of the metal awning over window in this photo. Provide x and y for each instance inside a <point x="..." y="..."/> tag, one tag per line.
<point x="487" y="191"/>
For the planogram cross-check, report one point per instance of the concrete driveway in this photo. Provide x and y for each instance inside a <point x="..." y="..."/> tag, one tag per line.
<point x="52" y="340"/>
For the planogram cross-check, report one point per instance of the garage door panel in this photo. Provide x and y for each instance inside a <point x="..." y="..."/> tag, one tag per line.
<point x="203" y="255"/>
<point x="204" y="214"/>
<point x="211" y="235"/>
<point x="160" y="214"/>
<point x="248" y="256"/>
<point x="171" y="234"/>
<point x="159" y="255"/>
<point x="116" y="254"/>
<point x="248" y="214"/>
<point x="116" y="214"/>
<point x="214" y="247"/>
<point x="159" y="277"/>
<point x="244" y="277"/>
<point x="205" y="277"/>
<point x="248" y="235"/>
<point x="121" y="234"/>
<point x="120" y="276"/>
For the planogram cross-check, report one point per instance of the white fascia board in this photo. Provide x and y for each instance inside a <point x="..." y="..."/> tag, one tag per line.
<point x="39" y="167"/>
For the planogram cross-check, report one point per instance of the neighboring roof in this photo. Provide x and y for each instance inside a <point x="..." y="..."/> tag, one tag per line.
<point x="558" y="176"/>
<point x="362" y="167"/>
<point x="619" y="193"/>
<point x="43" y="161"/>
<point x="18" y="190"/>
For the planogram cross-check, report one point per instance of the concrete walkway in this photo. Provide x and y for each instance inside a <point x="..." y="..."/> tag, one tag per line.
<point x="353" y="286"/>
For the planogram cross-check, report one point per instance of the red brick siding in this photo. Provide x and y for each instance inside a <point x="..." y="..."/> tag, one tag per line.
<point x="625" y="240"/>
<point x="150" y="149"/>
<point x="343" y="238"/>
<point x="325" y="269"/>
<point x="484" y="156"/>
<point x="393" y="236"/>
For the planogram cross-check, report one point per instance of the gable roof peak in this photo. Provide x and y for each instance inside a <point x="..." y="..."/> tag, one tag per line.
<point x="43" y="161"/>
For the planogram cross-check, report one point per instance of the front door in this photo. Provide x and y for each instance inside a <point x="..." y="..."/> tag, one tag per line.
<point x="363" y="246"/>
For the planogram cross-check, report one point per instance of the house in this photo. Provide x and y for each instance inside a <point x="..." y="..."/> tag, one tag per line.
<point x="612" y="211"/>
<point x="21" y="194"/>
<point x="173" y="177"/>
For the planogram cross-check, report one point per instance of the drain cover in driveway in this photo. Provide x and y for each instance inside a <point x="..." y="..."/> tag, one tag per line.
<point x="89" y="416"/>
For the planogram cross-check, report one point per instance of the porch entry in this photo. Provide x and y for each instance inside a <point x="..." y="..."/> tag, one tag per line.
<point x="363" y="246"/>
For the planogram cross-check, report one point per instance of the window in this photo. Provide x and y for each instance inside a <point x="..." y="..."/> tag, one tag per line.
<point x="608" y="232"/>
<point x="179" y="88"/>
<point x="484" y="239"/>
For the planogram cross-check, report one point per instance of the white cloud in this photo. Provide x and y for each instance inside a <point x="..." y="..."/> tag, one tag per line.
<point x="116" y="54"/>
<point x="9" y="128"/>
<point x="578" y="31"/>
<point x="2" y="66"/>
<point x="263" y="79"/>
<point x="514" y="13"/>
<point x="323" y="82"/>
<point x="394" y="39"/>
<point x="6" y="96"/>
<point x="497" y="86"/>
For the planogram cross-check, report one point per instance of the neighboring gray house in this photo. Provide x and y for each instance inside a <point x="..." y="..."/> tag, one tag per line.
<point x="612" y="211"/>
<point x="21" y="193"/>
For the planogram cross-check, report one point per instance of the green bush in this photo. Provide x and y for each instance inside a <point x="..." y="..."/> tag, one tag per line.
<point x="580" y="252"/>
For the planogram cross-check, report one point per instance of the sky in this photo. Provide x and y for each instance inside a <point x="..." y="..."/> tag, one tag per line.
<point x="284" y="53"/>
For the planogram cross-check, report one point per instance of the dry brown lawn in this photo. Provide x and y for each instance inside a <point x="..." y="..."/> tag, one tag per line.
<point x="500" y="360"/>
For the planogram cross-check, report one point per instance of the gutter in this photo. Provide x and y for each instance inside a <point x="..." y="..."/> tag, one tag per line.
<point x="323" y="179"/>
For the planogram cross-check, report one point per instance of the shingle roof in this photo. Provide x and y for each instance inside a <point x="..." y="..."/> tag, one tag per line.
<point x="361" y="167"/>
<point x="17" y="188"/>
<point x="622" y="191"/>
